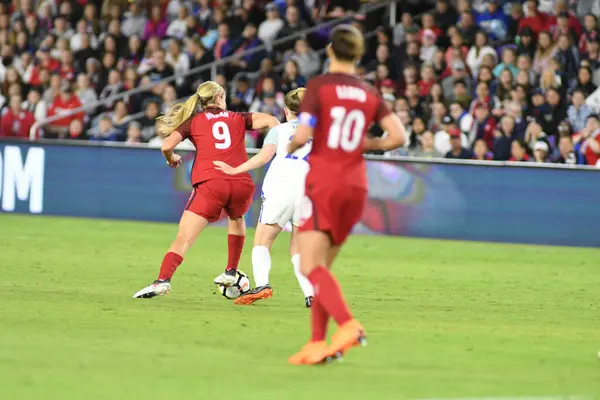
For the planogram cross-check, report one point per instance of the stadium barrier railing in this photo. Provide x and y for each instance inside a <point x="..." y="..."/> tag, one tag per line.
<point x="391" y="5"/>
<point x="461" y="200"/>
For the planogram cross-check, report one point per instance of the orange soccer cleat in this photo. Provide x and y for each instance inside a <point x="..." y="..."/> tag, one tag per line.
<point x="259" y="293"/>
<point x="347" y="336"/>
<point x="311" y="353"/>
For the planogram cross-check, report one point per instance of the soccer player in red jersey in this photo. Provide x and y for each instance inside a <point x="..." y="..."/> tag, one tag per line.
<point x="217" y="134"/>
<point x="337" y="110"/>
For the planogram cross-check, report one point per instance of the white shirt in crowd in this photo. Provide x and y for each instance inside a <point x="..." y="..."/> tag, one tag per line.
<point x="268" y="30"/>
<point x="441" y="142"/>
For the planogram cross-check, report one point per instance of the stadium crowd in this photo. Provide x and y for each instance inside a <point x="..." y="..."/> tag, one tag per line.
<point x="488" y="80"/>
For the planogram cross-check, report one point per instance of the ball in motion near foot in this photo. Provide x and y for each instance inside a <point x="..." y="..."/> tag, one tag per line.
<point x="241" y="286"/>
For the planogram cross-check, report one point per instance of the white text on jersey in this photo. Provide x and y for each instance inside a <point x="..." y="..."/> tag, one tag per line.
<point x="222" y="114"/>
<point x="351" y="93"/>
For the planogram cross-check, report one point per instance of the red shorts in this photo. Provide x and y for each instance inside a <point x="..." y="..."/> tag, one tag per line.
<point x="335" y="210"/>
<point x="211" y="197"/>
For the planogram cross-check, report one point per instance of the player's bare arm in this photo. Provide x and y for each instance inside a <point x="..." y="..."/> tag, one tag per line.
<point x="264" y="156"/>
<point x="264" y="121"/>
<point x="300" y="138"/>
<point x="168" y="147"/>
<point x="396" y="135"/>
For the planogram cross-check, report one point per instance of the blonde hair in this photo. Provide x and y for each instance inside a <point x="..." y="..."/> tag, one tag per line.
<point x="206" y="95"/>
<point x="293" y="100"/>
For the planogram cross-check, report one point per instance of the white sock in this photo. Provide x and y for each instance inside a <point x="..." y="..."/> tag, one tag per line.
<point x="261" y="265"/>
<point x="305" y="284"/>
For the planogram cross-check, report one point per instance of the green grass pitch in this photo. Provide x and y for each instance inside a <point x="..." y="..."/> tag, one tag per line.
<point x="445" y="319"/>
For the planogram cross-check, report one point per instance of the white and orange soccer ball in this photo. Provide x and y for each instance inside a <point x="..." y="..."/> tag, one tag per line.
<point x="241" y="286"/>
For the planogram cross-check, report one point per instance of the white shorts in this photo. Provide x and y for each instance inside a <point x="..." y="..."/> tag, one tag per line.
<point x="281" y="208"/>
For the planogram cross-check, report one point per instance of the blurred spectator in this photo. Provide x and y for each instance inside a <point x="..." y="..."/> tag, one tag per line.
<point x="584" y="81"/>
<point x="291" y="77"/>
<point x="534" y="20"/>
<point x="293" y="24"/>
<point x="493" y="20"/>
<point x="307" y="59"/>
<point x="503" y="137"/>
<point x="399" y="32"/>
<point x="178" y="27"/>
<point x="104" y="132"/>
<point x="36" y="105"/>
<point x="441" y="139"/>
<point x="120" y="120"/>
<point x="134" y="22"/>
<point x="64" y="102"/>
<point x="76" y="130"/>
<point x="578" y="111"/>
<point x="546" y="50"/>
<point x="457" y="151"/>
<point x="269" y="28"/>
<point x="590" y="141"/>
<point x="526" y="43"/>
<point x="16" y="121"/>
<point x="445" y="14"/>
<point x="566" y="153"/>
<point x="509" y="59"/>
<point x="458" y="73"/>
<point x="534" y="133"/>
<point x="481" y="151"/>
<point x="518" y="151"/>
<point x="484" y="124"/>
<point x="248" y="41"/>
<point x="134" y="133"/>
<point x="151" y="112"/>
<point x="179" y="61"/>
<point x="424" y="147"/>
<point x="478" y="51"/>
<point x="86" y="94"/>
<point x="156" y="26"/>
<point x="428" y="47"/>
<point x="541" y="151"/>
<point x="467" y="27"/>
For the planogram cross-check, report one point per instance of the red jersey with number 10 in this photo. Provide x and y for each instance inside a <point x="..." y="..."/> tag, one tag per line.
<point x="341" y="108"/>
<point x="218" y="135"/>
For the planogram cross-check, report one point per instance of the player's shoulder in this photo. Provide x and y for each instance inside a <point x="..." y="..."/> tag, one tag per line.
<point x="344" y="81"/>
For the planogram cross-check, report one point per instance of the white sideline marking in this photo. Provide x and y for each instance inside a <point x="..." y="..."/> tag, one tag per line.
<point x="517" y="398"/>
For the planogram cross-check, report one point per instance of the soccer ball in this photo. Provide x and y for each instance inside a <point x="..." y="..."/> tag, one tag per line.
<point x="241" y="286"/>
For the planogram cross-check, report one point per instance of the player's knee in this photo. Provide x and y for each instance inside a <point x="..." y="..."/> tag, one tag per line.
<point x="306" y="268"/>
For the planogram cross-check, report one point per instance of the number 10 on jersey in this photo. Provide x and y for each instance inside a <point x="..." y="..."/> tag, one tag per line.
<point x="346" y="129"/>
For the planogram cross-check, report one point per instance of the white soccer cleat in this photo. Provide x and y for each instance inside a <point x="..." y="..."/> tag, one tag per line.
<point x="158" y="288"/>
<point x="227" y="278"/>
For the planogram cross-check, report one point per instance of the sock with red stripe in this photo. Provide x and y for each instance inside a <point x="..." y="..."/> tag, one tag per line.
<point x="235" y="245"/>
<point x="319" y="320"/>
<point x="169" y="266"/>
<point x="329" y="295"/>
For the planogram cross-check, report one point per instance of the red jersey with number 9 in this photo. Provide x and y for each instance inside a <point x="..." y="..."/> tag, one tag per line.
<point x="218" y="135"/>
<point x="341" y="108"/>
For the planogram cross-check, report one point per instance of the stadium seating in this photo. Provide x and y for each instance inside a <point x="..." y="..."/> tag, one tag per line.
<point x="488" y="80"/>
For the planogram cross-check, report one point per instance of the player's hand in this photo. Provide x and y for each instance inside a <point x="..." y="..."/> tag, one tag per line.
<point x="226" y="168"/>
<point x="175" y="161"/>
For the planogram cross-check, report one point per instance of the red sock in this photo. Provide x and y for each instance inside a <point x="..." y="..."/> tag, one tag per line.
<point x="319" y="319"/>
<point x="169" y="265"/>
<point x="235" y="245"/>
<point x="329" y="294"/>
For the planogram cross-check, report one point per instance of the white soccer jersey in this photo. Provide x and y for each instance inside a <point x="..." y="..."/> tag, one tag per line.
<point x="283" y="187"/>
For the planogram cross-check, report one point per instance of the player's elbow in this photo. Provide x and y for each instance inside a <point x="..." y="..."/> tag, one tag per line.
<point x="272" y="122"/>
<point x="167" y="147"/>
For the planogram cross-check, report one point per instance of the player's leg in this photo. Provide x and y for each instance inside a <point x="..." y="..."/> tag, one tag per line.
<point x="314" y="246"/>
<point x="350" y="332"/>
<point x="190" y="227"/>
<point x="261" y="264"/>
<point x="238" y="203"/>
<point x="204" y="206"/>
<point x="303" y="281"/>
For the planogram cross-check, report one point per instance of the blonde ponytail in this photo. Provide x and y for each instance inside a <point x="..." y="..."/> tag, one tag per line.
<point x="293" y="100"/>
<point x="206" y="95"/>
